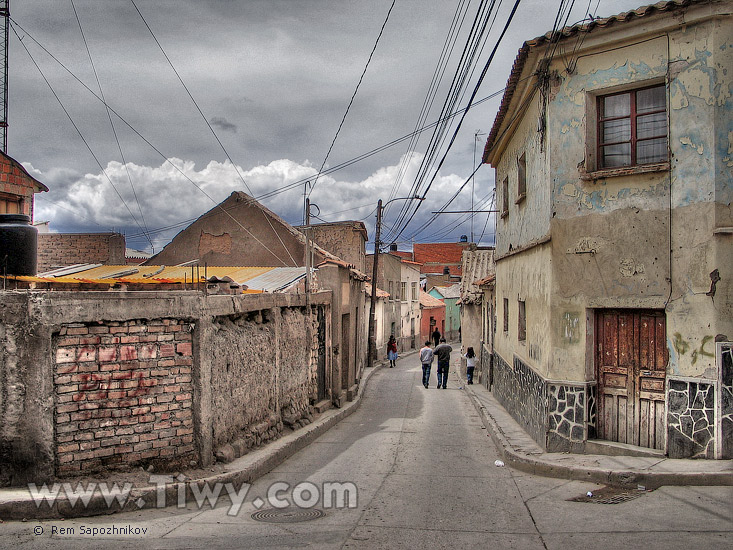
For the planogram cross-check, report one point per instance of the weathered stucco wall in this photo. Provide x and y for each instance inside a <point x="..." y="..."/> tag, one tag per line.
<point x="92" y="380"/>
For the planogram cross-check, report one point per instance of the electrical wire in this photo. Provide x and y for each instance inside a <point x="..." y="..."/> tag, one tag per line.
<point x="353" y="96"/>
<point x="109" y="116"/>
<point x="210" y="127"/>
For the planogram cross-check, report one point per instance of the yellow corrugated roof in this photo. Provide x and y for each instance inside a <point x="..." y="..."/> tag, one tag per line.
<point x="106" y="274"/>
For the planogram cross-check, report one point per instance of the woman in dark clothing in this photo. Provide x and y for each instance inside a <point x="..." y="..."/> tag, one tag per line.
<point x="392" y="351"/>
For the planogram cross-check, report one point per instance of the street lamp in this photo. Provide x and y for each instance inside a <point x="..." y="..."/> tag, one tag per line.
<point x="372" y="345"/>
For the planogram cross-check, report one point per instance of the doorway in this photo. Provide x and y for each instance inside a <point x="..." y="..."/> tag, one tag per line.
<point x="631" y="364"/>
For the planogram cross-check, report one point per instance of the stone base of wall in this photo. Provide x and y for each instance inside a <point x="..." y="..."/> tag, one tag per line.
<point x="690" y="419"/>
<point x="566" y="410"/>
<point x="725" y="353"/>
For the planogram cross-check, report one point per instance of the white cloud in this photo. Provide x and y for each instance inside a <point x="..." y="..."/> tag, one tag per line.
<point x="176" y="192"/>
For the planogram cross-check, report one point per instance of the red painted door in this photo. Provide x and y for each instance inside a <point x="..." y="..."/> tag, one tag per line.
<point x="631" y="363"/>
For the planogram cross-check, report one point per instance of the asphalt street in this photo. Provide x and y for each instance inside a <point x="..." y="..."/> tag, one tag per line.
<point x="419" y="471"/>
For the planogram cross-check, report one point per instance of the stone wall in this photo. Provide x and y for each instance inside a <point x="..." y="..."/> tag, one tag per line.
<point x="690" y="419"/>
<point x="64" y="249"/>
<point x="99" y="380"/>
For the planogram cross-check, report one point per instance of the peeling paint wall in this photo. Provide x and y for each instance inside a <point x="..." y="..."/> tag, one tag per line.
<point x="649" y="237"/>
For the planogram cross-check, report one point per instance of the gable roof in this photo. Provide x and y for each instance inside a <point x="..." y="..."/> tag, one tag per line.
<point x="477" y="264"/>
<point x="449" y="292"/>
<point x="567" y="32"/>
<point x="429" y="302"/>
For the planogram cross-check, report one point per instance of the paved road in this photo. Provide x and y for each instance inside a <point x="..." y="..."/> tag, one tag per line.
<point x="424" y="471"/>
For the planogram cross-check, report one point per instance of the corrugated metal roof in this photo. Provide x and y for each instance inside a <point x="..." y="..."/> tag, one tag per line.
<point x="276" y="279"/>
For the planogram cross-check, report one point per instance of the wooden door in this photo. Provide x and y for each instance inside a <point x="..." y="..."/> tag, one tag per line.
<point x="631" y="362"/>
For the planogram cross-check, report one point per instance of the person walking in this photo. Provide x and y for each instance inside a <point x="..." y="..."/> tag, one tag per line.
<point x="470" y="356"/>
<point x="436" y="336"/>
<point x="426" y="358"/>
<point x="442" y="352"/>
<point x="392" y="351"/>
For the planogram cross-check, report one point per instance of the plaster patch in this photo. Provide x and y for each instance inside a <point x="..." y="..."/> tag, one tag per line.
<point x="688" y="141"/>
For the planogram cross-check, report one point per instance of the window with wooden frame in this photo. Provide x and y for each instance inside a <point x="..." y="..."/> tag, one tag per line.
<point x="521" y="178"/>
<point x="415" y="294"/>
<point x="403" y="291"/>
<point x="522" y="324"/>
<point x="505" y="197"/>
<point x="506" y="314"/>
<point x="632" y="128"/>
<point x="10" y="204"/>
<point x="391" y="292"/>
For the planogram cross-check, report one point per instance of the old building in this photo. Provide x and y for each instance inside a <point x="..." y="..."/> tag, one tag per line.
<point x="613" y="249"/>
<point x="17" y="187"/>
<point x="432" y="312"/>
<point x="477" y="265"/>
<point x="409" y="306"/>
<point x="346" y="239"/>
<point x="450" y="295"/>
<point x="389" y="279"/>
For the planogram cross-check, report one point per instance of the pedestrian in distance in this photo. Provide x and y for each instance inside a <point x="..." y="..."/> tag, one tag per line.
<point x="436" y="336"/>
<point x="392" y="351"/>
<point x="470" y="364"/>
<point x="426" y="358"/>
<point x="442" y="352"/>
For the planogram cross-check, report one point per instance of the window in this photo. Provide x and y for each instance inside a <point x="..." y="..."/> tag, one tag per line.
<point x="522" y="332"/>
<point x="506" y="314"/>
<point x="505" y="197"/>
<point x="391" y="291"/>
<point x="10" y="204"/>
<point x="403" y="290"/>
<point x="521" y="178"/>
<point x="415" y="295"/>
<point x="632" y="128"/>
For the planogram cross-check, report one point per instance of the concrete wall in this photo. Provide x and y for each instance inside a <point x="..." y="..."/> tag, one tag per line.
<point x="64" y="249"/>
<point x="346" y="240"/>
<point x="409" y="333"/>
<point x="98" y="380"/>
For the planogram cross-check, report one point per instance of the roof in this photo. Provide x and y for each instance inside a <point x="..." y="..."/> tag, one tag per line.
<point x="402" y="254"/>
<point x="449" y="292"/>
<point x="252" y="279"/>
<point x="486" y="280"/>
<point x="476" y="265"/>
<point x="567" y="32"/>
<point x="380" y="293"/>
<point x="429" y="302"/>
<point x="19" y="166"/>
<point x="355" y="273"/>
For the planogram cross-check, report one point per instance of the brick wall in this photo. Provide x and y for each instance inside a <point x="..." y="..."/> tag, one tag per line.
<point x="123" y="394"/>
<point x="63" y="249"/>
<point x="15" y="182"/>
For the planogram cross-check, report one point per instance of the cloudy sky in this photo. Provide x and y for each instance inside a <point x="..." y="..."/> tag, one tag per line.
<point x="273" y="78"/>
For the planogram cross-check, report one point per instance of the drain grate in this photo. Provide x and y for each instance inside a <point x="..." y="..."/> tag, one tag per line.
<point x="611" y="495"/>
<point x="287" y="515"/>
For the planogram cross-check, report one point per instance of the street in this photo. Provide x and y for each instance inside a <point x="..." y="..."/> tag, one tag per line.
<point x="424" y="472"/>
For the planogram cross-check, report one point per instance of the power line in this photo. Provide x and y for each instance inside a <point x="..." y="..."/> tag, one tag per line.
<point x="348" y="107"/>
<point x="109" y="116"/>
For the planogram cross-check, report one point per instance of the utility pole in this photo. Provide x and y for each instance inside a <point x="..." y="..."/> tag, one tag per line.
<point x="5" y="22"/>
<point x="307" y="254"/>
<point x="372" y="344"/>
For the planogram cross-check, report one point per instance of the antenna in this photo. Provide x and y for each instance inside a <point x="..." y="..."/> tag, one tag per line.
<point x="5" y="28"/>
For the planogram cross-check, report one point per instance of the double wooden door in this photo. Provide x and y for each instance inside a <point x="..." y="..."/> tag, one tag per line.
<point x="631" y="363"/>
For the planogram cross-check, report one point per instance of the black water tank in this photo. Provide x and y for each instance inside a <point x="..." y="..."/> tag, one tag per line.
<point x="18" y="245"/>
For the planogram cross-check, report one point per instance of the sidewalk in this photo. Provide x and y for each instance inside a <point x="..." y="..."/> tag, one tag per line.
<point x="520" y="451"/>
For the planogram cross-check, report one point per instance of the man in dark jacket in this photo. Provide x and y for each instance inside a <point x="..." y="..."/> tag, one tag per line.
<point x="436" y="336"/>
<point x="442" y="352"/>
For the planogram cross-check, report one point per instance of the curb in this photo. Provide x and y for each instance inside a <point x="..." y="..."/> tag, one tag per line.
<point x="621" y="478"/>
<point x="255" y="465"/>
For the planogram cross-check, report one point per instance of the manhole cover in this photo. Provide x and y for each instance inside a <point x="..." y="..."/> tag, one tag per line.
<point x="287" y="515"/>
<point x="610" y="495"/>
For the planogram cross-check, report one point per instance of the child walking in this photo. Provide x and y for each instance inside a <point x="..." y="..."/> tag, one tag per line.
<point x="470" y="364"/>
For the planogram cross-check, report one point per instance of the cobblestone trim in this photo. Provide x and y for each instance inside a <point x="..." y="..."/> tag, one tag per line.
<point x="690" y="419"/>
<point x="566" y="417"/>
<point x="726" y="400"/>
<point x="523" y="393"/>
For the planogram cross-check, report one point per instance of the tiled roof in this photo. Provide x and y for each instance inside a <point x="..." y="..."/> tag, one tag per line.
<point x="476" y="264"/>
<point x="380" y="293"/>
<point x="429" y="302"/>
<point x="566" y="32"/>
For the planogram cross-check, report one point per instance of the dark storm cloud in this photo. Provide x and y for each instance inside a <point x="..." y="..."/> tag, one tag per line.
<point x="223" y="124"/>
